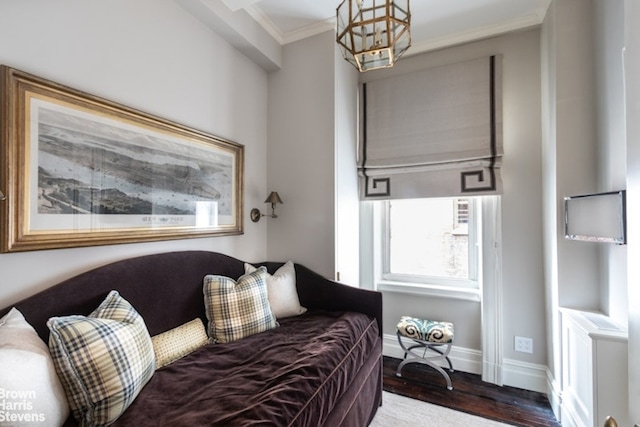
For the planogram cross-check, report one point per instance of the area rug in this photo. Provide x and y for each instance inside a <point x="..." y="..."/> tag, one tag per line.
<point x="400" y="411"/>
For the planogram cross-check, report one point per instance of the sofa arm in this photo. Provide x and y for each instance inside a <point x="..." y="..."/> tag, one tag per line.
<point x="315" y="291"/>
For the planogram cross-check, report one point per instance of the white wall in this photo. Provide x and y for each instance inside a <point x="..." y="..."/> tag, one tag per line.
<point x="301" y="154"/>
<point x="612" y="153"/>
<point x="346" y="185"/>
<point x="576" y="149"/>
<point x="153" y="56"/>
<point x="570" y="167"/>
<point x="632" y="102"/>
<point x="523" y="291"/>
<point x="551" y="226"/>
<point x="585" y="151"/>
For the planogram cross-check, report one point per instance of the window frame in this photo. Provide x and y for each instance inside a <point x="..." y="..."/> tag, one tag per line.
<point x="468" y="289"/>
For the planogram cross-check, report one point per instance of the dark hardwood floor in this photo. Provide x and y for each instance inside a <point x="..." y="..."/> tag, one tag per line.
<point x="470" y="394"/>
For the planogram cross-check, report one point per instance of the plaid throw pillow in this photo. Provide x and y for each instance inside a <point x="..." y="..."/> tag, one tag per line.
<point x="237" y="309"/>
<point x="103" y="359"/>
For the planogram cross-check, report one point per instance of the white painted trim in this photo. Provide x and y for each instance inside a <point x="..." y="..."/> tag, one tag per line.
<point x="263" y="20"/>
<point x="283" y="38"/>
<point x="554" y="394"/>
<point x="518" y="374"/>
<point x="235" y="5"/>
<point x="310" y="30"/>
<point x="492" y="306"/>
<point x="529" y="376"/>
<point x="530" y="20"/>
<point x="436" y="291"/>
<point x="463" y="359"/>
<point x="520" y="23"/>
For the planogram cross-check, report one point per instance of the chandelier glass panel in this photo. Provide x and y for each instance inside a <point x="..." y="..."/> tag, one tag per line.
<point x="373" y="33"/>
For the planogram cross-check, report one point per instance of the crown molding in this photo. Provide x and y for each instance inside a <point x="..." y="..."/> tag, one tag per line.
<point x="320" y="27"/>
<point x="292" y="36"/>
<point x="521" y="23"/>
<point x="531" y="20"/>
<point x="235" y="5"/>
<point x="263" y="20"/>
<point x="243" y="30"/>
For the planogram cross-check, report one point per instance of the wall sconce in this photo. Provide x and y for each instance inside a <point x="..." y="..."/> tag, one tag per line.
<point x="274" y="199"/>
<point x="2" y="196"/>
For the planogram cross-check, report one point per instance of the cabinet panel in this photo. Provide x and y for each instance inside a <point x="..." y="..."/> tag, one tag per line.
<point x="594" y="369"/>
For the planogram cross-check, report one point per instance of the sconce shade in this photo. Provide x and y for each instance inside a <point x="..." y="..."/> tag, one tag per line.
<point x="2" y="196"/>
<point x="373" y="33"/>
<point x="273" y="198"/>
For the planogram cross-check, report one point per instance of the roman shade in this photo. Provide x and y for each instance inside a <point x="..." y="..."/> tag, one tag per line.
<point x="432" y="133"/>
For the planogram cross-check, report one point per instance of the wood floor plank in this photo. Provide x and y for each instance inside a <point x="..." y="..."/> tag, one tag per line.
<point x="470" y="394"/>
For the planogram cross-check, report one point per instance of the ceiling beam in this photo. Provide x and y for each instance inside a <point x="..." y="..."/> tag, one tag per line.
<point x="239" y="29"/>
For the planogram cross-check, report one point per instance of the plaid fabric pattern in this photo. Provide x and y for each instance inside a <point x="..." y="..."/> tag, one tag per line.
<point x="237" y="309"/>
<point x="178" y="342"/>
<point x="426" y="330"/>
<point x="103" y="359"/>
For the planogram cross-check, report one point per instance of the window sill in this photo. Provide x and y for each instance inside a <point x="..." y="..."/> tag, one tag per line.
<point x="430" y="290"/>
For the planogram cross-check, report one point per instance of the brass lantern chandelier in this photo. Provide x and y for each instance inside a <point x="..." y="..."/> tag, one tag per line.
<point x="373" y="33"/>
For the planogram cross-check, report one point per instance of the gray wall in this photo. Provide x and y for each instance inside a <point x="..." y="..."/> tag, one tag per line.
<point x="569" y="164"/>
<point x="301" y="154"/>
<point x="154" y="56"/>
<point x="523" y="290"/>
<point x="584" y="151"/>
<point x="608" y="40"/>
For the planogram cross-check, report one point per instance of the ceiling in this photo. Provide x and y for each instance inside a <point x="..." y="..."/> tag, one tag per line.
<point x="434" y="23"/>
<point x="260" y="28"/>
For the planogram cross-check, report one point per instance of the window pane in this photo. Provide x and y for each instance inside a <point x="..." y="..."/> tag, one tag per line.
<point x="429" y="237"/>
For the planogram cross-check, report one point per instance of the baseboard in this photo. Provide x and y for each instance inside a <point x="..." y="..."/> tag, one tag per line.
<point x="529" y="376"/>
<point x="463" y="359"/>
<point x="515" y="373"/>
<point x="554" y="394"/>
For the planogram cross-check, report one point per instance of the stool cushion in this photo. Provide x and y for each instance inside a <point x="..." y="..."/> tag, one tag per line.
<point x="426" y="330"/>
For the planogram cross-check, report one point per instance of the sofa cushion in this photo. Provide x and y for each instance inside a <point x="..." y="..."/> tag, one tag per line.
<point x="426" y="330"/>
<point x="176" y="343"/>
<point x="293" y="375"/>
<point x="27" y="369"/>
<point x="281" y="291"/>
<point x="103" y="359"/>
<point x="237" y="309"/>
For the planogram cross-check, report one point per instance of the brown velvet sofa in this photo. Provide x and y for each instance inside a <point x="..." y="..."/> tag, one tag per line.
<point x="294" y="381"/>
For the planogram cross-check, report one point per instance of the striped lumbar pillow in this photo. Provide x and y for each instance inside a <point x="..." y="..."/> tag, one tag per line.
<point x="237" y="309"/>
<point x="103" y="359"/>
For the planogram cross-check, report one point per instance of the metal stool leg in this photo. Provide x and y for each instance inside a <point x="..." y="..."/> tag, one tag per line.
<point x="410" y="356"/>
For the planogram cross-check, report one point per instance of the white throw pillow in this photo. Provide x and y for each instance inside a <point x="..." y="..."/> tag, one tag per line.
<point x="282" y="291"/>
<point x="31" y="392"/>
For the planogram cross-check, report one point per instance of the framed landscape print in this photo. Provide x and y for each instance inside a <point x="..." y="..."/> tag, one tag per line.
<point x="78" y="170"/>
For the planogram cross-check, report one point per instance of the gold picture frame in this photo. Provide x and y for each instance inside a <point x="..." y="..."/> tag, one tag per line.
<point x="79" y="170"/>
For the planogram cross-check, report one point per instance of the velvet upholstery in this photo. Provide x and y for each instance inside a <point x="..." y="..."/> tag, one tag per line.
<point x="293" y="375"/>
<point x="166" y="289"/>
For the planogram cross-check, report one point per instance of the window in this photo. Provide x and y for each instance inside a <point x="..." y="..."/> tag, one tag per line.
<point x="431" y="242"/>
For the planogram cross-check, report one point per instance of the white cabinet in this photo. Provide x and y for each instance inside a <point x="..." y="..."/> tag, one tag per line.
<point x="594" y="369"/>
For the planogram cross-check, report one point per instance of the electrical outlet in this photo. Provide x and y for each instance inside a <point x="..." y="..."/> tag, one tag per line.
<point x="524" y="345"/>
